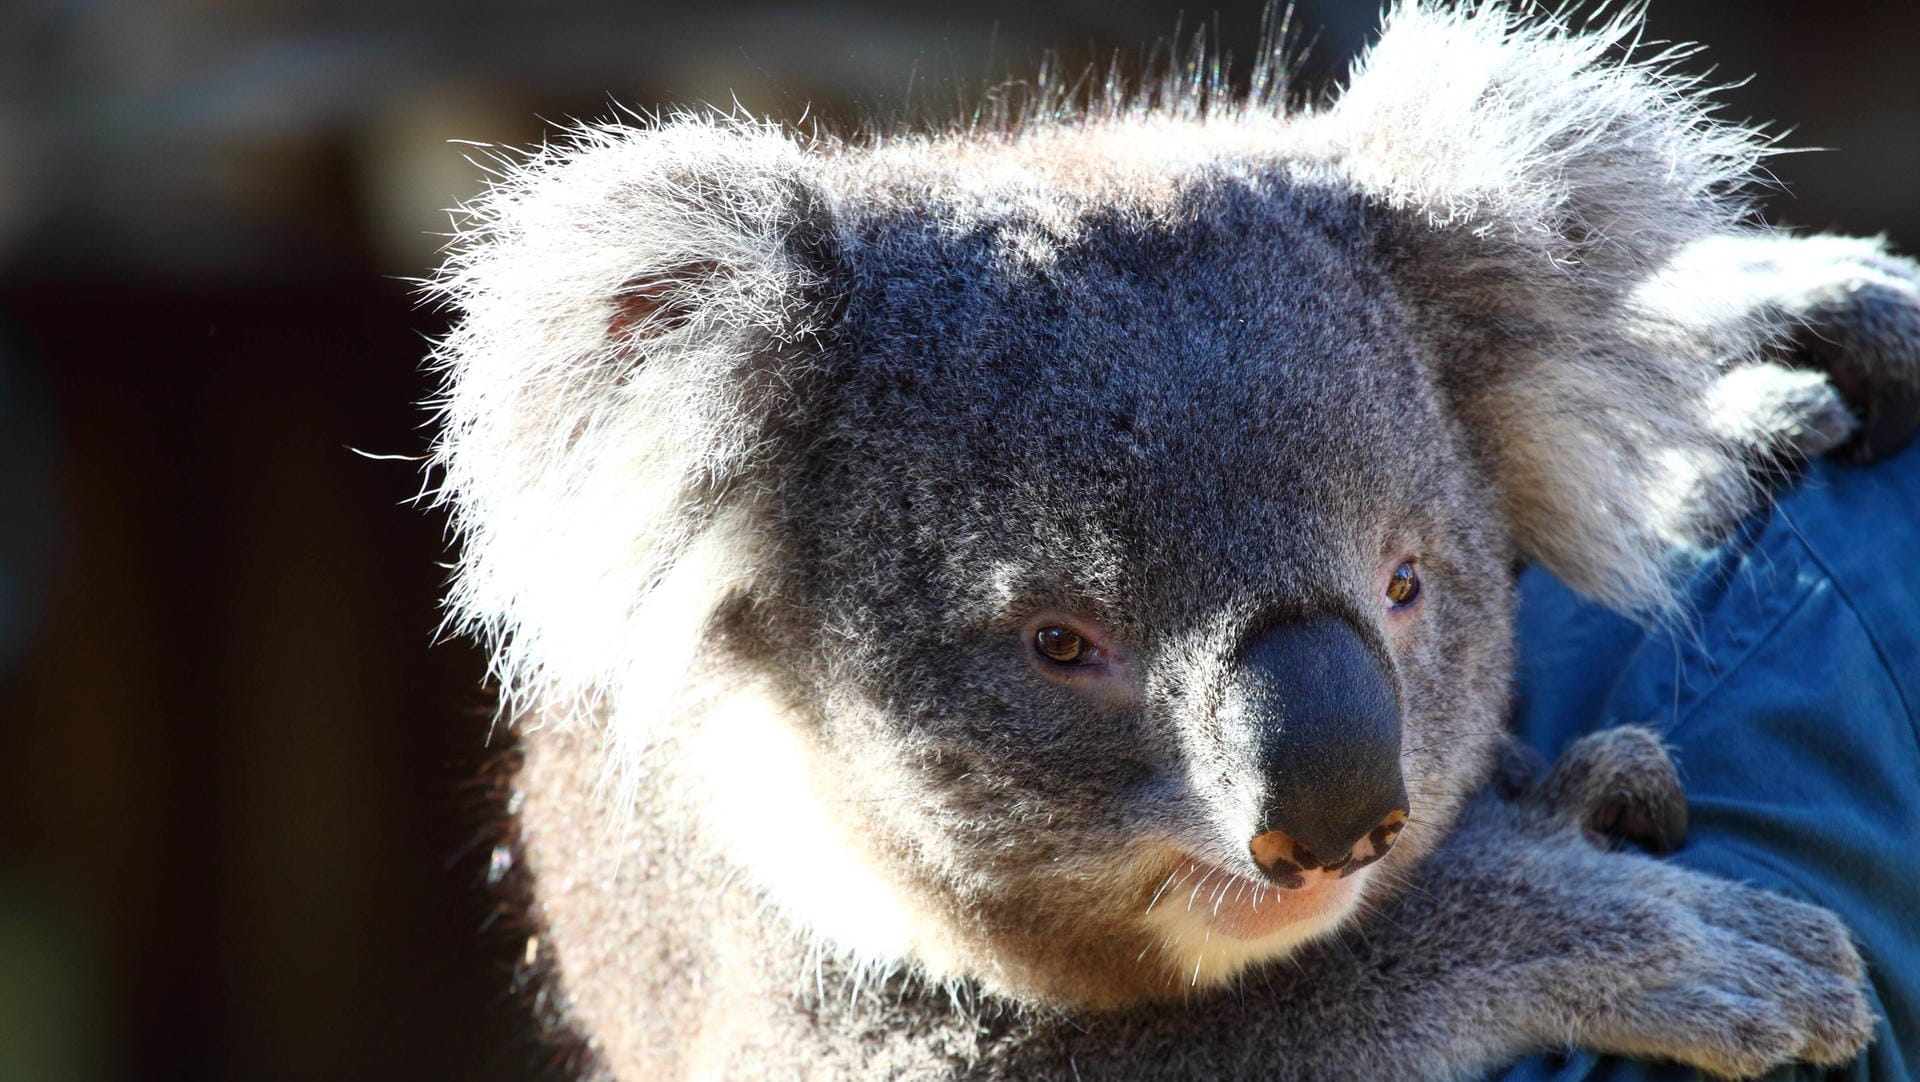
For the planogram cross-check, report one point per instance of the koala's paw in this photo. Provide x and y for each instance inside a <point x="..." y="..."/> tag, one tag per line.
<point x="1759" y="981"/>
<point x="1854" y="314"/>
<point x="1618" y="785"/>
<point x="1724" y="977"/>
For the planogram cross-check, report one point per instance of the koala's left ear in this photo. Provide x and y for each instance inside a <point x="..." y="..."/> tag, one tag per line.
<point x="637" y="316"/>
<point x="1543" y="197"/>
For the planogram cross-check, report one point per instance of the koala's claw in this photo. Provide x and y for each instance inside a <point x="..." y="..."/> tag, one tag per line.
<point x="1619" y="785"/>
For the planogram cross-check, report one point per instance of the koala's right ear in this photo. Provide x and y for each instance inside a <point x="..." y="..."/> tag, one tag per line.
<point x="1537" y="184"/>
<point x="636" y="317"/>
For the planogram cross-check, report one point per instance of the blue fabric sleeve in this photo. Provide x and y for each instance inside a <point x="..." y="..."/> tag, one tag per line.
<point x="1788" y="689"/>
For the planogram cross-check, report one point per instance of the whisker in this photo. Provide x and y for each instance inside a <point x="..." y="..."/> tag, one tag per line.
<point x="1451" y="737"/>
<point x="1163" y="888"/>
<point x="1196" y="889"/>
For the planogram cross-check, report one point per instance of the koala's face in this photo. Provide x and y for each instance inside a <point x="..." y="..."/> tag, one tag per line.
<point x="1145" y="583"/>
<point x="1115" y="515"/>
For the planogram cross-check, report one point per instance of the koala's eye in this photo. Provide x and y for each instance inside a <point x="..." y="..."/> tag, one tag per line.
<point x="1079" y="653"/>
<point x="1404" y="585"/>
<point x="1059" y="644"/>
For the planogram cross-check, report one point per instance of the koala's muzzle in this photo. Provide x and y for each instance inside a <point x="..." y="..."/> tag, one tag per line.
<point x="1329" y="749"/>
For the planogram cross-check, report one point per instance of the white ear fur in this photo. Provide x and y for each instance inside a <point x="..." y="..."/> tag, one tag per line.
<point x="1544" y="175"/>
<point x="606" y="398"/>
<point x="1518" y="127"/>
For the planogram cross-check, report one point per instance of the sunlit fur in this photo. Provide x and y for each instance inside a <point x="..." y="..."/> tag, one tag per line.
<point x="744" y="560"/>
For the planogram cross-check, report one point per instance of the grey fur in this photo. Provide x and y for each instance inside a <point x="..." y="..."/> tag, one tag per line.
<point x="766" y="456"/>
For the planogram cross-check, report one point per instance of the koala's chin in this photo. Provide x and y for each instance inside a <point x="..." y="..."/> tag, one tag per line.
<point x="1226" y="922"/>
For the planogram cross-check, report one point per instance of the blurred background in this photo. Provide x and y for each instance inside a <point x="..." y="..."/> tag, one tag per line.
<point x="246" y="836"/>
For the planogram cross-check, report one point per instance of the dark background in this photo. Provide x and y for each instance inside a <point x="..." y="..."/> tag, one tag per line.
<point x="242" y="838"/>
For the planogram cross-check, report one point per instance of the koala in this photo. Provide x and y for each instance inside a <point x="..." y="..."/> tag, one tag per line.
<point x="1036" y="601"/>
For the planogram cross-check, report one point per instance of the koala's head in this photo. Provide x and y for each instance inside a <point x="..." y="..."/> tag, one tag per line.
<point x="1079" y="558"/>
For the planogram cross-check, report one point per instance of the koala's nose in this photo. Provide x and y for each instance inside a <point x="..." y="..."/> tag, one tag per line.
<point x="1328" y="746"/>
